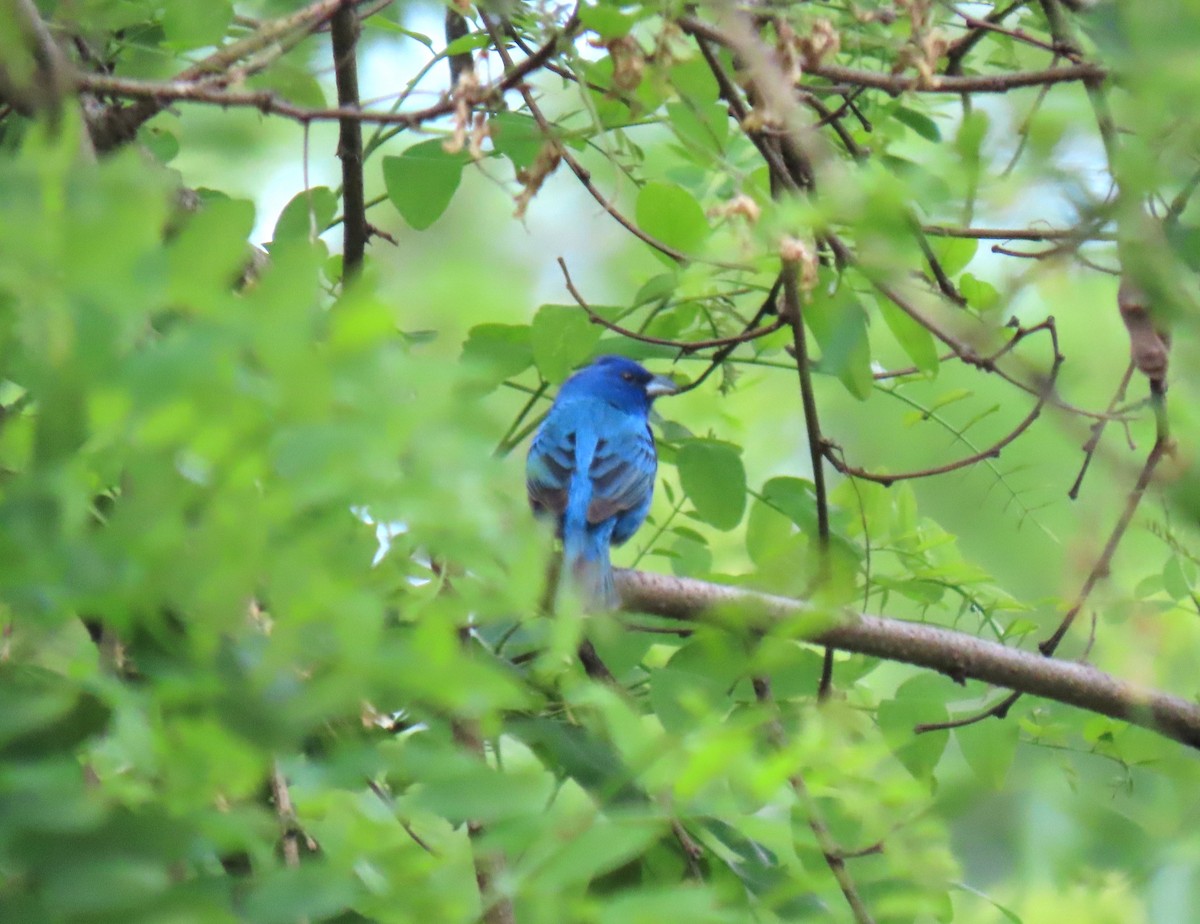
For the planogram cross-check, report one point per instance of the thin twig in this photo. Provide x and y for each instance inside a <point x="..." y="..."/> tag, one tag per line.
<point x="1019" y="35"/>
<point x="684" y="346"/>
<point x="581" y="173"/>
<point x="794" y="313"/>
<point x="832" y="452"/>
<point x="896" y="84"/>
<point x="267" y="102"/>
<point x="767" y="307"/>
<point x="961" y="47"/>
<point x="1099" y="570"/>
<point x="344" y="36"/>
<point x="1089" y="448"/>
<point x="944" y="282"/>
<point x="41" y="86"/>
<point x="1020" y="234"/>
<point x="118" y="125"/>
<point x="286" y="812"/>
<point x="835" y="857"/>
<point x="489" y="867"/>
<point x="1103" y="564"/>
<point x="386" y="798"/>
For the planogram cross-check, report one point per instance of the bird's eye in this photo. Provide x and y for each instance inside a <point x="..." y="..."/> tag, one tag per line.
<point x="627" y="376"/>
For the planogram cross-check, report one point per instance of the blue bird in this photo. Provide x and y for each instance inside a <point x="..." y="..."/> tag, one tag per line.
<point x="591" y="467"/>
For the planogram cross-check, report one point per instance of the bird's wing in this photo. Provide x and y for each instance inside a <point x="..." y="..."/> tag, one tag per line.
<point x="549" y="467"/>
<point x="622" y="471"/>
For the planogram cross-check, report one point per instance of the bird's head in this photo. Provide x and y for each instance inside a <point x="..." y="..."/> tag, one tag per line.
<point x="621" y="382"/>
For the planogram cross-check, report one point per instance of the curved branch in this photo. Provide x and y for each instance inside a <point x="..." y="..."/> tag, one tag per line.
<point x="683" y="346"/>
<point x="993" y="451"/>
<point x="953" y="653"/>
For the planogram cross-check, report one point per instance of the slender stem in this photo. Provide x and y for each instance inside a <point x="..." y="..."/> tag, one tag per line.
<point x="344" y="34"/>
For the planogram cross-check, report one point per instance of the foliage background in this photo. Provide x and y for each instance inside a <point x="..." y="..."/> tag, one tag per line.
<point x="220" y="702"/>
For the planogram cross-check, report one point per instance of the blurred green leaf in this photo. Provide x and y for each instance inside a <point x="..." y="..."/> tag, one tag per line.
<point x="194" y="25"/>
<point x="422" y="181"/>
<point x="989" y="748"/>
<point x="307" y="214"/>
<point x="839" y="325"/>
<point x="561" y="338"/>
<point x="921" y="700"/>
<point x="919" y="123"/>
<point x="916" y="340"/>
<point x="672" y="215"/>
<point x="517" y="137"/>
<point x="498" y="351"/>
<point x="606" y="21"/>
<point x="714" y="480"/>
<point x="471" y="42"/>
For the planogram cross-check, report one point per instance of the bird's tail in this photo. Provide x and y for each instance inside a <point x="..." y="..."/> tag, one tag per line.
<point x="586" y="565"/>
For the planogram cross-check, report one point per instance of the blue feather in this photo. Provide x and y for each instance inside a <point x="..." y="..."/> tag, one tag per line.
<point x="591" y="467"/>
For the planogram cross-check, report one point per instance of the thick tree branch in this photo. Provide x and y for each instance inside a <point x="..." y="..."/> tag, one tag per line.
<point x="955" y="654"/>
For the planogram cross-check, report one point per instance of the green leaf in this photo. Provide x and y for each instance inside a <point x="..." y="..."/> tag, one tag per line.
<point x="210" y="251"/>
<point x="597" y="850"/>
<point x="1175" y="580"/>
<point x="989" y="748"/>
<point x="386" y="25"/>
<point x="919" y="700"/>
<point x="694" y="80"/>
<point x="839" y="325"/>
<point x="187" y="24"/>
<point x="787" y="503"/>
<point x="680" y="697"/>
<point x="980" y="295"/>
<point x="672" y="215"/>
<point x="606" y="21"/>
<point x="516" y="137"/>
<point x="472" y="42"/>
<point x="954" y="253"/>
<point x="307" y="215"/>
<point x="42" y="713"/>
<point x="970" y="136"/>
<point x="421" y="181"/>
<point x="714" y="479"/>
<point x="916" y="341"/>
<point x="162" y="144"/>
<point x="768" y="533"/>
<point x="1009" y="915"/>
<point x="293" y="82"/>
<point x="705" y="129"/>
<point x="502" y="350"/>
<point x="690" y="554"/>
<point x="919" y="123"/>
<point x="656" y="288"/>
<point x="562" y="337"/>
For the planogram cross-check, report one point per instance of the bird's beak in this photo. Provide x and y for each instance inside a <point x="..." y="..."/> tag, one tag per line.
<point x="660" y="385"/>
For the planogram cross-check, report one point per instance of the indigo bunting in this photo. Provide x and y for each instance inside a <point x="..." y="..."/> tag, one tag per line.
<point x="591" y="467"/>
